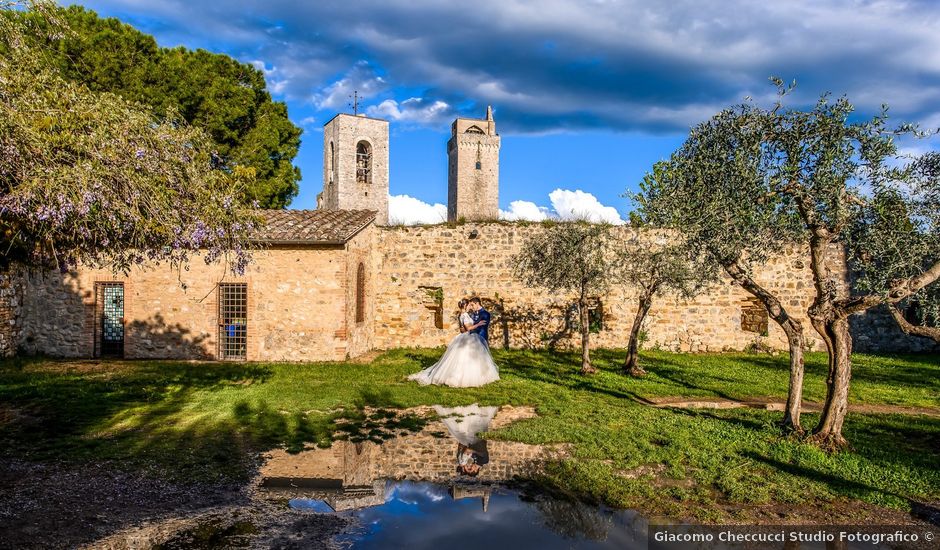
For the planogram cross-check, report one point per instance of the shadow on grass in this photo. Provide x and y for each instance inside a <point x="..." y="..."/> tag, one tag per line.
<point x="139" y="413"/>
<point x="847" y="487"/>
<point x="748" y="423"/>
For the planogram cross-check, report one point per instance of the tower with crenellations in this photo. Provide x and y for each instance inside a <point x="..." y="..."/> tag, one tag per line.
<point x="473" y="169"/>
<point x="355" y="165"/>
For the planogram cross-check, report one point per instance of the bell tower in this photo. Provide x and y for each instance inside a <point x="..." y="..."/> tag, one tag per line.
<point x="355" y="165"/>
<point x="473" y="169"/>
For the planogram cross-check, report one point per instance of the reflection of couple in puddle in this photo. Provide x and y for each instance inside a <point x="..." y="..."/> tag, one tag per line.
<point x="463" y="424"/>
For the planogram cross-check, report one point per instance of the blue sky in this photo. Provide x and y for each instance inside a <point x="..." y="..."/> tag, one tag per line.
<point x="587" y="95"/>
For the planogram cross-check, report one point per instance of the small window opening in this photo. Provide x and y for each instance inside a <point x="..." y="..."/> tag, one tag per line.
<point x="595" y="316"/>
<point x="479" y="165"/>
<point x="361" y="293"/>
<point x="754" y="317"/>
<point x="432" y="298"/>
<point x="363" y="162"/>
<point x="331" y="161"/>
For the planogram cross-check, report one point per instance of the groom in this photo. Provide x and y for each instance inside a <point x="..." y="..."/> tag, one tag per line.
<point x="481" y="320"/>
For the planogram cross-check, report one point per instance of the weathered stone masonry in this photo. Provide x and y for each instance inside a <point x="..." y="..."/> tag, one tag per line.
<point x="305" y="303"/>
<point x="11" y="300"/>
<point x="476" y="259"/>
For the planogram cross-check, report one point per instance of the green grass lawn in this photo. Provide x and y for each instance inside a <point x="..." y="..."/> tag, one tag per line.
<point x="205" y="421"/>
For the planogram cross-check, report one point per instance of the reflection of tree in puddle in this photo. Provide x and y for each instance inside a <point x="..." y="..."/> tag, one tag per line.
<point x="574" y="520"/>
<point x="352" y="473"/>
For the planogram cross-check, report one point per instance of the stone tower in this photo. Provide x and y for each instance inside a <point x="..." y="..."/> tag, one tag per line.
<point x="355" y="165"/>
<point x="473" y="169"/>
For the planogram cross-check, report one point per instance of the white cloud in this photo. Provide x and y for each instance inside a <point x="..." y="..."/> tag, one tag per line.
<point x="361" y="79"/>
<point x="415" y="109"/>
<point x="277" y="82"/>
<point x="524" y="210"/>
<point x="560" y="64"/>
<point x="567" y="205"/>
<point x="405" y="210"/>
<point x="578" y="205"/>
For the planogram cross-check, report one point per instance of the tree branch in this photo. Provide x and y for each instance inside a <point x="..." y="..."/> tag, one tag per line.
<point x="901" y="290"/>
<point x="913" y="330"/>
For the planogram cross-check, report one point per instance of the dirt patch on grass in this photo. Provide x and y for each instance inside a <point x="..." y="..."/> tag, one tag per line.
<point x="74" y="366"/>
<point x="261" y="525"/>
<point x="45" y="505"/>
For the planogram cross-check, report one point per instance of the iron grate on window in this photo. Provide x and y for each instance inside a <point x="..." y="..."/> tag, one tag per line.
<point x="233" y="320"/>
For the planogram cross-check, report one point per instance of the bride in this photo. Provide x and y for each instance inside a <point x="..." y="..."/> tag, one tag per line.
<point x="467" y="361"/>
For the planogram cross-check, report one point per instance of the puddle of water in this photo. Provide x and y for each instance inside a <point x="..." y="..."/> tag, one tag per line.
<point x="442" y="450"/>
<point x="442" y="485"/>
<point x="419" y="515"/>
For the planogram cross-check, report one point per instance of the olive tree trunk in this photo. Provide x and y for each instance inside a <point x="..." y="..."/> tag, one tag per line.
<point x="631" y="364"/>
<point x="793" y="329"/>
<point x="835" y="332"/>
<point x="586" y="367"/>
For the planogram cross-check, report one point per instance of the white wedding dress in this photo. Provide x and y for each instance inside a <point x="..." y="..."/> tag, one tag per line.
<point x="466" y="363"/>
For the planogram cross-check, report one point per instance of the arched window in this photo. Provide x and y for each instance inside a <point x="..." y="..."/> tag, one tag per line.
<point x="361" y="293"/>
<point x="330" y="163"/>
<point x="474" y="130"/>
<point x="363" y="162"/>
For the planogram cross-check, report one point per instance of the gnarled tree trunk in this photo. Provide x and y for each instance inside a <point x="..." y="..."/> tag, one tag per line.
<point x="631" y="364"/>
<point x="828" y="432"/>
<point x="793" y="329"/>
<point x="586" y="367"/>
<point x="832" y="324"/>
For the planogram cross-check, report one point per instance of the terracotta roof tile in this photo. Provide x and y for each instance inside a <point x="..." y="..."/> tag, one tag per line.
<point x="313" y="226"/>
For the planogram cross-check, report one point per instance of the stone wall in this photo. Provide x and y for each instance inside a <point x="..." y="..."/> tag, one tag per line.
<point x="295" y="308"/>
<point x="11" y="299"/>
<point x="476" y="259"/>
<point x="875" y="331"/>
<point x="360" y="334"/>
<point x="302" y="303"/>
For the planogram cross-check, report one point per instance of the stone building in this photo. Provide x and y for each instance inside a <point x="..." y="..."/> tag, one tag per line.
<point x="473" y="169"/>
<point x="337" y="282"/>
<point x="303" y="298"/>
<point x="355" y="165"/>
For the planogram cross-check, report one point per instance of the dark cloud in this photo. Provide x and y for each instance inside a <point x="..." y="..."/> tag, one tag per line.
<point x="552" y="65"/>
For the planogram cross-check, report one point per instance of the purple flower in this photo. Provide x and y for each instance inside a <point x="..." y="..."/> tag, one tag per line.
<point x="139" y="154"/>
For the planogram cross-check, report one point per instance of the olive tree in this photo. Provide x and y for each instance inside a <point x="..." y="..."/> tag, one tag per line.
<point x="817" y="178"/>
<point x="654" y="267"/>
<point x="714" y="191"/>
<point x="841" y="175"/>
<point x="892" y="239"/>
<point x="570" y="257"/>
<point x="90" y="177"/>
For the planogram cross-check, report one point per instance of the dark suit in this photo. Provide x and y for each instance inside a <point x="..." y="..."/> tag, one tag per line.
<point x="482" y="331"/>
